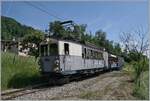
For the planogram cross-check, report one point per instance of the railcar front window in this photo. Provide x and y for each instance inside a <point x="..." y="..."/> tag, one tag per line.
<point x="53" y="49"/>
<point x="44" y="50"/>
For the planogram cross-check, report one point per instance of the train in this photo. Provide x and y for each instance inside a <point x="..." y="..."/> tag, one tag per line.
<point x="66" y="57"/>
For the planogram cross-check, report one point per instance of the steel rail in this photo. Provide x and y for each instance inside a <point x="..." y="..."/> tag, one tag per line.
<point x="27" y="90"/>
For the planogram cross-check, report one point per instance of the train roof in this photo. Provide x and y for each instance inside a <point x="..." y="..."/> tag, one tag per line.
<point x="87" y="44"/>
<point x="112" y="55"/>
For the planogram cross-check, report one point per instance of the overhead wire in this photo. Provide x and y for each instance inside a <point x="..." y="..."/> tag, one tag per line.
<point x="42" y="10"/>
<point x="45" y="11"/>
<point x="52" y="11"/>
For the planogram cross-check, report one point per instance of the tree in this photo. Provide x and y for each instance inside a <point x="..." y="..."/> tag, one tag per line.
<point x="117" y="49"/>
<point x="100" y="36"/>
<point x="13" y="29"/>
<point x="74" y="32"/>
<point x="57" y="29"/>
<point x="136" y="44"/>
<point x="32" y="42"/>
<point x="78" y="33"/>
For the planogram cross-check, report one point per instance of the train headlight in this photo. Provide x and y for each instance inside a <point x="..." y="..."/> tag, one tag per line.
<point x="56" y="65"/>
<point x="57" y="62"/>
<point x="56" y="69"/>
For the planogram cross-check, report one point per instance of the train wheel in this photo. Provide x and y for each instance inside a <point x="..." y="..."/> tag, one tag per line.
<point x="63" y="81"/>
<point x="52" y="82"/>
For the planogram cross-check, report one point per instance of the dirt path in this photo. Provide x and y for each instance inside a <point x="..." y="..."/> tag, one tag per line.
<point x="111" y="85"/>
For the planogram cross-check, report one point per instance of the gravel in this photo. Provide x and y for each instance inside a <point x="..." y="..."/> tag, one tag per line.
<point x="111" y="85"/>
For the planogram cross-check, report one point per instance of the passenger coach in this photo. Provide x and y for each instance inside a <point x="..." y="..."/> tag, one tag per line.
<point x="66" y="57"/>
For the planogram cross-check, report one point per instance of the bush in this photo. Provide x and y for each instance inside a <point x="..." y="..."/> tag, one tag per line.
<point x="141" y="78"/>
<point x="139" y="71"/>
<point x="18" y="71"/>
<point x="142" y="91"/>
<point x="139" y="68"/>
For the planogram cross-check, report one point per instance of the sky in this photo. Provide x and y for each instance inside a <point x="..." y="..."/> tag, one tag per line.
<point x="113" y="17"/>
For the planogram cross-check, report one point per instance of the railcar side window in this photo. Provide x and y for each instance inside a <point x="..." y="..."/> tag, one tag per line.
<point x="91" y="54"/>
<point x="94" y="55"/>
<point x="66" y="48"/>
<point x="88" y="54"/>
<point x="100" y="55"/>
<point x="85" y="53"/>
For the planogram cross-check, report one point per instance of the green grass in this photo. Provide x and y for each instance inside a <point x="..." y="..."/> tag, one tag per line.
<point x="142" y="91"/>
<point x="18" y="71"/>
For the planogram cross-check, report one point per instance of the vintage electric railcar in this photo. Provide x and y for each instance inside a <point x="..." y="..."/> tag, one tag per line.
<point x="66" y="57"/>
<point x="115" y="62"/>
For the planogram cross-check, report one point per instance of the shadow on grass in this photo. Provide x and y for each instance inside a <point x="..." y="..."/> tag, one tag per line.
<point x="22" y="80"/>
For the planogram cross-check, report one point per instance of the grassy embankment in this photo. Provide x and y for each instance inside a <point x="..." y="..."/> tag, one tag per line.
<point x="18" y="71"/>
<point x="142" y="91"/>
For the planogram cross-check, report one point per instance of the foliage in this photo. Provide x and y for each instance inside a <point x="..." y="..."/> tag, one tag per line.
<point x="135" y="44"/>
<point x="13" y="29"/>
<point x="57" y="29"/>
<point x="33" y="39"/>
<point x="139" y="68"/>
<point x="142" y="91"/>
<point x="139" y="73"/>
<point x="78" y="33"/>
<point x="18" y="71"/>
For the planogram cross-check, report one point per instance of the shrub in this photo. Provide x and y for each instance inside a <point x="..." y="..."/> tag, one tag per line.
<point x="142" y="91"/>
<point x="18" y="71"/>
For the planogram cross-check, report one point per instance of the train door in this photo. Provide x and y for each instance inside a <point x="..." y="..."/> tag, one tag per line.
<point x="67" y="57"/>
<point x="44" y="59"/>
<point x="105" y="55"/>
<point x="84" y="57"/>
<point x="48" y="53"/>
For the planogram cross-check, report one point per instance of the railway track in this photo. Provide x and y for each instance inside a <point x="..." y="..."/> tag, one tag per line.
<point x="13" y="94"/>
<point x="31" y="89"/>
<point x="9" y="95"/>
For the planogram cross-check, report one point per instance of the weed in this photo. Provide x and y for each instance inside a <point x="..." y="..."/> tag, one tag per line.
<point x="18" y="71"/>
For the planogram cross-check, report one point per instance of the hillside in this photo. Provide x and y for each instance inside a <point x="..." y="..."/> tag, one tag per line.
<point x="13" y="29"/>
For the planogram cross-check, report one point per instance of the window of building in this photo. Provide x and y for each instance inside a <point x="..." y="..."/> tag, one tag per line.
<point x="66" y="48"/>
